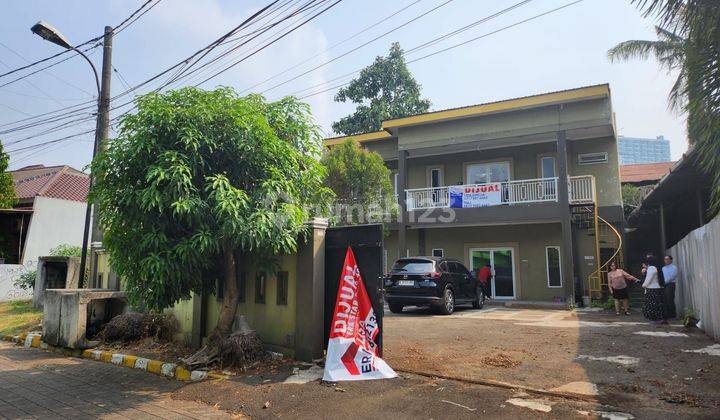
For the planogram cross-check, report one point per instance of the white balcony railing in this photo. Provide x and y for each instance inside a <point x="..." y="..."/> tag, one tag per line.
<point x="581" y="189"/>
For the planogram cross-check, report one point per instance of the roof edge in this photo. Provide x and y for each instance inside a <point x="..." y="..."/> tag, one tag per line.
<point x="360" y="138"/>
<point x="505" y="105"/>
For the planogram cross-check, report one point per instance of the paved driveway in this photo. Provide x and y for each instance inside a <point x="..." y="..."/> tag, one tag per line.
<point x="637" y="367"/>
<point x="40" y="384"/>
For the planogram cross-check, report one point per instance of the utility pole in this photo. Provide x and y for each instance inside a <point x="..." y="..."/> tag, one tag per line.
<point x="102" y="130"/>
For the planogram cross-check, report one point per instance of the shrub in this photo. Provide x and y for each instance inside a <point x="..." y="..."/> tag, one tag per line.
<point x="26" y="281"/>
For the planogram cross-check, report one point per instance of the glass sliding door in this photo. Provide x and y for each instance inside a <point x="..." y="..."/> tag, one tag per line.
<point x="502" y="263"/>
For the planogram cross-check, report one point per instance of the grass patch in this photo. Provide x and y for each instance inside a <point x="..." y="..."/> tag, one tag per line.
<point x="18" y="317"/>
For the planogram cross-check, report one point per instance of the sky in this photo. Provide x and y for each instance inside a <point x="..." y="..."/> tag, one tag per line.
<point x="561" y="50"/>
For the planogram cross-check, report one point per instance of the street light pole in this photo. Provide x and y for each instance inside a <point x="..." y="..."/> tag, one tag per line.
<point x="102" y="127"/>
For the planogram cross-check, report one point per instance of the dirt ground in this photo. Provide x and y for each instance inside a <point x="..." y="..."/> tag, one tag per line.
<point x="546" y="349"/>
<point x="648" y="376"/>
<point x="406" y="397"/>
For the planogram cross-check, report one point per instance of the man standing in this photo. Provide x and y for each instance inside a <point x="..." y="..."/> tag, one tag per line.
<point x="484" y="275"/>
<point x="670" y="273"/>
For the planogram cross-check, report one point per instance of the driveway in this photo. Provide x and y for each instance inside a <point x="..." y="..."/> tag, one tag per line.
<point x="646" y="370"/>
<point x="39" y="384"/>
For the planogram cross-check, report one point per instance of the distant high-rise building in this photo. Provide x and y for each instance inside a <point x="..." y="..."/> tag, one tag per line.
<point x="641" y="150"/>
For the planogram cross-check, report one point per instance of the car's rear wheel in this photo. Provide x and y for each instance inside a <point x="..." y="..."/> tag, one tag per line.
<point x="448" y="304"/>
<point x="479" y="301"/>
<point x="395" y="308"/>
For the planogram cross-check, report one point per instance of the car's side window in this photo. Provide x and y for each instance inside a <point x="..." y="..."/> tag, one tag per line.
<point x="452" y="267"/>
<point x="443" y="267"/>
<point x="463" y="270"/>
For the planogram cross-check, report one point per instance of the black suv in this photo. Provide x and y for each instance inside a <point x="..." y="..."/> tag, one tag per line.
<point x="440" y="283"/>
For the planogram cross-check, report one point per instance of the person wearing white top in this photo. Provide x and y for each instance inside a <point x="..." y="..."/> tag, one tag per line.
<point x="654" y="308"/>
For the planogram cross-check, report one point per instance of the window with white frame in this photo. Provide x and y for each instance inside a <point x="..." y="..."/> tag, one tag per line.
<point x="483" y="173"/>
<point x="554" y="268"/>
<point x="438" y="252"/>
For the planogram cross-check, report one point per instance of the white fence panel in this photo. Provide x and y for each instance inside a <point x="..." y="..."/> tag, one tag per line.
<point x="697" y="257"/>
<point x="8" y="274"/>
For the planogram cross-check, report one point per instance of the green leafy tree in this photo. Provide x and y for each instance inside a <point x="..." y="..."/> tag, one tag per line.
<point x="358" y="177"/>
<point x="384" y="90"/>
<point x="198" y="180"/>
<point x="7" y="189"/>
<point x="693" y="28"/>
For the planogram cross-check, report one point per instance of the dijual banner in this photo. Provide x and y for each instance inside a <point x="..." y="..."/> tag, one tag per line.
<point x="352" y="349"/>
<point x="475" y="195"/>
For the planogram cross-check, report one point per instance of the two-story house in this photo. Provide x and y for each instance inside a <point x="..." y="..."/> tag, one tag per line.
<point x="528" y="185"/>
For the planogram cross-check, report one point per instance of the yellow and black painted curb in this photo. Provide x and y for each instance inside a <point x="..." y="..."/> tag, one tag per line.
<point x="158" y="367"/>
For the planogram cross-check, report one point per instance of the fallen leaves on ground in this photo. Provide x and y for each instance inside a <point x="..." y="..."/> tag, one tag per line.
<point x="500" y="360"/>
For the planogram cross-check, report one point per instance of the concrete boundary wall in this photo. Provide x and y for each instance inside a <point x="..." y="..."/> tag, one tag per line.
<point x="697" y="256"/>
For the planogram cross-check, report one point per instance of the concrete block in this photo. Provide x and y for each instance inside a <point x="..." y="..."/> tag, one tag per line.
<point x="198" y="375"/>
<point x="182" y="374"/>
<point x="142" y="363"/>
<point x="168" y="369"/>
<point x="155" y="366"/>
<point x="130" y="361"/>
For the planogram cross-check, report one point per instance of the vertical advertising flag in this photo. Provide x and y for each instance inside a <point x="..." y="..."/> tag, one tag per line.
<point x="352" y="348"/>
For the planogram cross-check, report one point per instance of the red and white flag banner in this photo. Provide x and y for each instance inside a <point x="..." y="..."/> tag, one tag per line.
<point x="352" y="350"/>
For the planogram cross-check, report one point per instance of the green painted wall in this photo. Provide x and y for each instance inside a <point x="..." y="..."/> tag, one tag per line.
<point x="507" y="124"/>
<point x="275" y="324"/>
<point x="183" y="312"/>
<point x="528" y="241"/>
<point x="523" y="163"/>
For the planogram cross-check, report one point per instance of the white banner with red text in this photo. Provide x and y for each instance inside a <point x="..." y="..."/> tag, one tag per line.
<point x="352" y="353"/>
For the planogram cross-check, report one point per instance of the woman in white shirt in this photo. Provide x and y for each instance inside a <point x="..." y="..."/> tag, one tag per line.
<point x="654" y="309"/>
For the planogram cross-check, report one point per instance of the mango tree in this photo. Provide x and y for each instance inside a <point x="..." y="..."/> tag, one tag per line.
<point x="197" y="180"/>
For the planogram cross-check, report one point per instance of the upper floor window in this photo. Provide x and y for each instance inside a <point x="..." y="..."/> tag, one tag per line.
<point x="482" y="173"/>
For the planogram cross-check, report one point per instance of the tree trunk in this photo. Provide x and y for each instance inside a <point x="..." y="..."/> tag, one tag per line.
<point x="230" y="299"/>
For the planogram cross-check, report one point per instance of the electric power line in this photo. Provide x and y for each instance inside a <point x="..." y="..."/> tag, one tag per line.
<point x="333" y="46"/>
<point x="89" y="41"/>
<point x="464" y="42"/>
<point x="359" y="46"/>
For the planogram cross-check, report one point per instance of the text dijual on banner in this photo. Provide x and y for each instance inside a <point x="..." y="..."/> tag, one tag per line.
<point x="352" y="353"/>
<point x="481" y="195"/>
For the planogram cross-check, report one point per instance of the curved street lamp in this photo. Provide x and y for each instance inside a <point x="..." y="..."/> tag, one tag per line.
<point x="49" y="33"/>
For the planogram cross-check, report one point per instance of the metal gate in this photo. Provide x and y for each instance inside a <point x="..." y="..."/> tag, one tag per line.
<point x="367" y="245"/>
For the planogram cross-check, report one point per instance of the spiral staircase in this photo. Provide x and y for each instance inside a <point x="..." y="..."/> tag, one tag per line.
<point x="606" y="237"/>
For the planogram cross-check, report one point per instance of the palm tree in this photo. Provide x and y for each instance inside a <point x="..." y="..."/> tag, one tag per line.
<point x="688" y="41"/>
<point x="669" y="50"/>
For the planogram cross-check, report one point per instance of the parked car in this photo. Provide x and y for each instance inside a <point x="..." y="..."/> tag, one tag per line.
<point x="440" y="283"/>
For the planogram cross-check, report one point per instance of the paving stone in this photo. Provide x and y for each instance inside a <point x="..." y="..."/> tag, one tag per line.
<point x="86" y="389"/>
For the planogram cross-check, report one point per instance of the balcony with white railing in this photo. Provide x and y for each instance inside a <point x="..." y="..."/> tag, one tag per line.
<point x="540" y="190"/>
<point x="582" y="189"/>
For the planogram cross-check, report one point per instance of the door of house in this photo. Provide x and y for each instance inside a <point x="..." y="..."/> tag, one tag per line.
<point x="367" y="245"/>
<point x="502" y="264"/>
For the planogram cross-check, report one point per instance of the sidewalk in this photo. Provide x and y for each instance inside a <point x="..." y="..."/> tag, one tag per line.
<point x="40" y="384"/>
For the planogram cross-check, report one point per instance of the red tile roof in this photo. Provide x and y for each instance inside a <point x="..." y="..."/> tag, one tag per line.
<point x="61" y="182"/>
<point x="644" y="172"/>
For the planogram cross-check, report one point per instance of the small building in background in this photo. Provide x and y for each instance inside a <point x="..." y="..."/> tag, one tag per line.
<point x="644" y="175"/>
<point x="50" y="212"/>
<point x="643" y="150"/>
